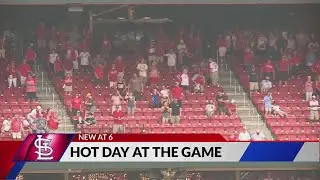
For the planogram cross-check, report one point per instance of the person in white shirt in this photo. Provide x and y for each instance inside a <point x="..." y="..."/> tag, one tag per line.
<point x="277" y="111"/>
<point x="151" y="54"/>
<point x="116" y="101"/>
<point x="142" y="67"/>
<point x="164" y="94"/>
<point x="258" y="136"/>
<point x="6" y="125"/>
<point x="213" y="72"/>
<point x="84" y="61"/>
<point x="265" y="84"/>
<point x="33" y="114"/>
<point x="210" y="108"/>
<point x="53" y="57"/>
<point x="172" y="60"/>
<point x="314" y="109"/>
<point x="72" y="54"/>
<point x="185" y="80"/>
<point x="182" y="48"/>
<point x="244" y="135"/>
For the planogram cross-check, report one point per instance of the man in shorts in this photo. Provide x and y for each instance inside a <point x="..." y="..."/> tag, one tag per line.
<point x="253" y="80"/>
<point x="175" y="111"/>
<point x="267" y="101"/>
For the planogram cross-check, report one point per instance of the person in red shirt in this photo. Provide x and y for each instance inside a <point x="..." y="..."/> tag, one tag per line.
<point x="106" y="46"/>
<point x="30" y="56"/>
<point x="267" y="70"/>
<point x="99" y="74"/>
<point x="68" y="67"/>
<point x="75" y="104"/>
<point x="16" y="128"/>
<point x="199" y="82"/>
<point x="41" y="35"/>
<point x="12" y="74"/>
<point x="31" y="88"/>
<point x="118" y="126"/>
<point x="120" y="67"/>
<point x="177" y="93"/>
<point x="67" y="84"/>
<point x="24" y="70"/>
<point x="113" y="76"/>
<point x="283" y="70"/>
<point x="58" y="68"/>
<point x="53" y="121"/>
<point x="247" y="59"/>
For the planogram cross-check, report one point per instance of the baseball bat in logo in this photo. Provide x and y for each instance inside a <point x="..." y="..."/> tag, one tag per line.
<point x="44" y="150"/>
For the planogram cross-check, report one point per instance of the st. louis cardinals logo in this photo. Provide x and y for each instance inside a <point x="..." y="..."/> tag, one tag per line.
<point x="44" y="150"/>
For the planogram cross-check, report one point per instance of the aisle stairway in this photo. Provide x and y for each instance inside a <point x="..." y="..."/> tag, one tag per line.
<point x="48" y="98"/>
<point x="246" y="111"/>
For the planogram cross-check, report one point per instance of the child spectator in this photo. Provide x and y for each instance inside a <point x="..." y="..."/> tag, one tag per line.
<point x="210" y="108"/>
<point x="68" y="84"/>
<point x="155" y="99"/>
<point x="165" y="113"/>
<point x="267" y="101"/>
<point x="131" y="101"/>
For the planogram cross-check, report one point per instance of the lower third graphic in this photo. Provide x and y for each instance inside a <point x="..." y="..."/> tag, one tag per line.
<point x="44" y="150"/>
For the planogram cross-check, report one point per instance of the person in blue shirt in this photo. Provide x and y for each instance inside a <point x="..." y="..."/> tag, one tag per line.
<point x="267" y="101"/>
<point x="155" y="99"/>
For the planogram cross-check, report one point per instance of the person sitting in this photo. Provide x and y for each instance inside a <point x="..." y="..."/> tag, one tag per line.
<point x="265" y="85"/>
<point x="244" y="135"/>
<point x="40" y="125"/>
<point x="6" y="125"/>
<point x="90" y="119"/>
<point x="53" y="121"/>
<point x="277" y="111"/>
<point x="258" y="136"/>
<point x="210" y="108"/>
<point x="232" y="107"/>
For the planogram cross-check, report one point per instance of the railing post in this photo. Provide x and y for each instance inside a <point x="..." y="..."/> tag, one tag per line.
<point x="53" y="100"/>
<point x="235" y="88"/>
<point x="244" y="99"/>
<point x="42" y="80"/>
<point x="230" y="77"/>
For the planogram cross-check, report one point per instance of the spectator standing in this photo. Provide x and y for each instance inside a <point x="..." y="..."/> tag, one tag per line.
<point x="142" y="67"/>
<point x="165" y="113"/>
<point x="181" y="48"/>
<point x="308" y="87"/>
<point x="84" y="60"/>
<point x="68" y="84"/>
<point x="53" y="56"/>
<point x="265" y="85"/>
<point x="199" y="81"/>
<point x="258" y="136"/>
<point x="177" y="93"/>
<point x="113" y="76"/>
<point x="116" y="101"/>
<point x="53" y="38"/>
<point x="13" y="73"/>
<point x="154" y="75"/>
<point x="136" y="87"/>
<point x="253" y="80"/>
<point x="267" y="70"/>
<point x="68" y="67"/>
<point x="152" y="54"/>
<point x="118" y="126"/>
<point x="159" y="52"/>
<point x="155" y="99"/>
<point x="99" y="74"/>
<point x="16" y="128"/>
<point x="73" y="55"/>
<point x="316" y="69"/>
<point x="244" y="135"/>
<point x="164" y="93"/>
<point x="210" y="108"/>
<point x="77" y="119"/>
<point x="248" y="57"/>
<point x="31" y="88"/>
<point x="172" y="60"/>
<point x="90" y="104"/>
<point x="175" y="111"/>
<point x="222" y="47"/>
<point x="283" y="71"/>
<point x="185" y="81"/>
<point x="213" y="72"/>
<point x="267" y="101"/>
<point x="98" y="60"/>
<point x="121" y="86"/>
<point x="221" y="102"/>
<point x="131" y="101"/>
<point x="24" y="70"/>
<point x="314" y="109"/>
<point x="31" y="56"/>
<point x="2" y="49"/>
<point x="106" y="46"/>
<point x="317" y="92"/>
<point x="41" y="36"/>
<point x="296" y="65"/>
<point x="120" y="66"/>
<point x="75" y="104"/>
